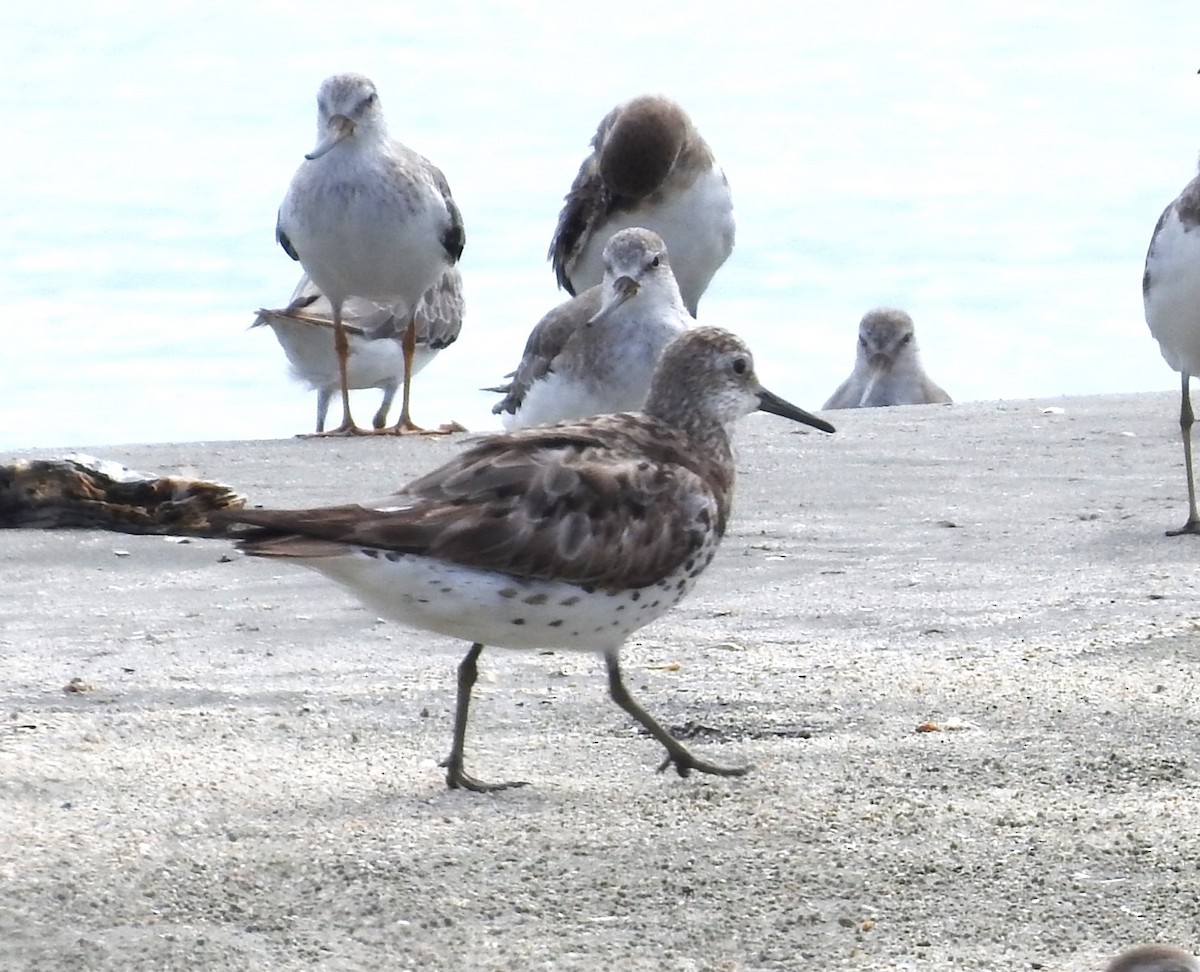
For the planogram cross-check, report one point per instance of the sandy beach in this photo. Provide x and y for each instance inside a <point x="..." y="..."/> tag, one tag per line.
<point x="212" y="762"/>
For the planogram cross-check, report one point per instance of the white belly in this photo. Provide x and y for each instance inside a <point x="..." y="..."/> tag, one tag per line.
<point x="561" y="397"/>
<point x="1173" y="300"/>
<point x="497" y="610"/>
<point x="696" y="224"/>
<point x="902" y="385"/>
<point x="355" y="240"/>
<point x="372" y="364"/>
<point x="373" y="258"/>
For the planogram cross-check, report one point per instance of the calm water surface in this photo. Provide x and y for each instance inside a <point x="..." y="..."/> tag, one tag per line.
<point x="997" y="172"/>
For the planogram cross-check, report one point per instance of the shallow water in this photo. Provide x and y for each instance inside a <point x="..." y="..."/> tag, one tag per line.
<point x="995" y="172"/>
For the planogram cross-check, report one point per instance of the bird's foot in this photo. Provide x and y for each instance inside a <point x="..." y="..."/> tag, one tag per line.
<point x="408" y="427"/>
<point x="684" y="762"/>
<point x="1192" y="526"/>
<point x="343" y="431"/>
<point x="458" y="779"/>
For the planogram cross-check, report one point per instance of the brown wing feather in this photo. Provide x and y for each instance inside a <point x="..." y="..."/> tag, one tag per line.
<point x="553" y="503"/>
<point x="546" y="341"/>
<point x="587" y="202"/>
<point x="439" y="312"/>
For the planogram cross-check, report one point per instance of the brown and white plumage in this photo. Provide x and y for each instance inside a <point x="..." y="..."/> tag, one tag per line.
<point x="80" y="491"/>
<point x="578" y="505"/>
<point x="566" y="536"/>
<point x="887" y="366"/>
<point x="367" y="217"/>
<point x="375" y="332"/>
<point x="649" y="167"/>
<point x="596" y="353"/>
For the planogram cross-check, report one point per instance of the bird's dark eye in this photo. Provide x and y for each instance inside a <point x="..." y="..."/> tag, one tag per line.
<point x="862" y="342"/>
<point x="655" y="262"/>
<point x="739" y="366"/>
<point x="907" y="337"/>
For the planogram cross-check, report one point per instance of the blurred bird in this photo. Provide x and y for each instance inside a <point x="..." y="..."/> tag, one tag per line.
<point x="887" y="368"/>
<point x="649" y="167"/>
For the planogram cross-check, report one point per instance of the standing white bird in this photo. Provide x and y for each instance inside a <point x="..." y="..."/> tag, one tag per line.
<point x="375" y="332"/>
<point x="649" y="167"/>
<point x="1171" y="294"/>
<point x="368" y="217"/>
<point x="596" y="353"/>
<point x="887" y="367"/>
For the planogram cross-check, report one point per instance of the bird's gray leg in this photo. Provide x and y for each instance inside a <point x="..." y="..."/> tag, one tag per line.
<point x="683" y="761"/>
<point x="389" y="396"/>
<point x="1186" y="419"/>
<point x="456" y="777"/>
<point x="323" y="397"/>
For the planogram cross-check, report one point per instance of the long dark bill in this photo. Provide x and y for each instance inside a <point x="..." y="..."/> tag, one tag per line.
<point x="770" y="402"/>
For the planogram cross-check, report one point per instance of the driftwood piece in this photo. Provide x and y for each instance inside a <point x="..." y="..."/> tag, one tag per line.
<point x="99" y="494"/>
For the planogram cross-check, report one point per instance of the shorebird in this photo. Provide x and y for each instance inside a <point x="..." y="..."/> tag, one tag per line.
<point x="375" y="333"/>
<point x="649" y="167"/>
<point x="564" y="536"/>
<point x="887" y="368"/>
<point x="1154" y="958"/>
<point x="368" y="217"/>
<point x="595" y="353"/>
<point x="1171" y="295"/>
